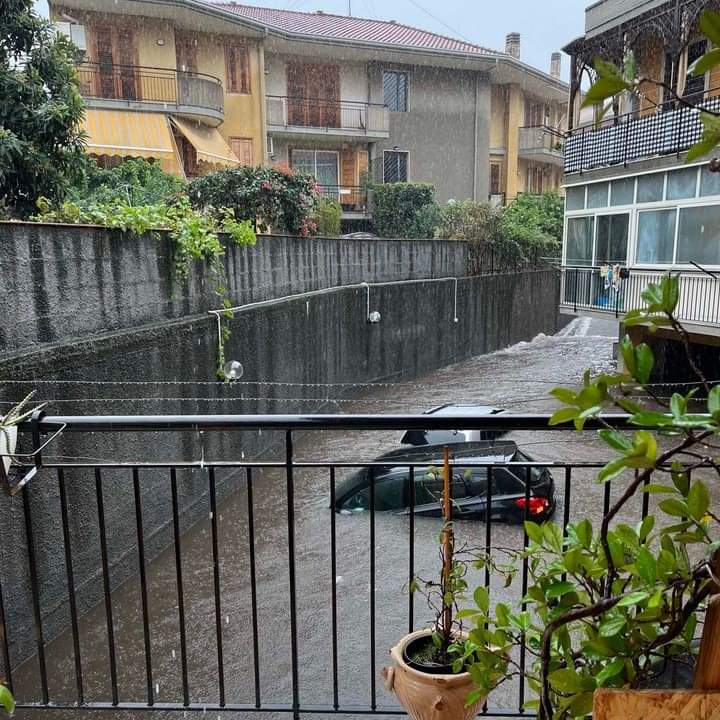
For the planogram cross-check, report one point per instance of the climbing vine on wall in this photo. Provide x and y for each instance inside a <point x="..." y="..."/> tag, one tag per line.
<point x="195" y="235"/>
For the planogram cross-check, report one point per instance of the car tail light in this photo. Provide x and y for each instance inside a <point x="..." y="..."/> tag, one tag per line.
<point x="536" y="505"/>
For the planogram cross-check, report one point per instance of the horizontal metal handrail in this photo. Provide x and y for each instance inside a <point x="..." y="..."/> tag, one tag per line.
<point x="169" y="423"/>
<point x="326" y="101"/>
<point x="138" y="83"/>
<point x="94" y="572"/>
<point x="169" y="71"/>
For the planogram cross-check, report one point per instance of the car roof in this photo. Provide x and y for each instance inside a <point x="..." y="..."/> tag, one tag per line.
<point x="465" y="409"/>
<point x="489" y="451"/>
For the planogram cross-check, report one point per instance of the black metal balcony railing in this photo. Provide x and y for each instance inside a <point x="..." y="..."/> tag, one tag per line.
<point x="319" y="113"/>
<point x="149" y="84"/>
<point x="584" y="288"/>
<point x="180" y="619"/>
<point x="352" y="198"/>
<point x="672" y="129"/>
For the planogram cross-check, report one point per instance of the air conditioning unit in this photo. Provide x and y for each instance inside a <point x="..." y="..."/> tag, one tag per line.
<point x="75" y="32"/>
<point x="270" y="146"/>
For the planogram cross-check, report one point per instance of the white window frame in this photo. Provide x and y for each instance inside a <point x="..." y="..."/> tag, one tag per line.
<point x="315" y="151"/>
<point x="636" y="208"/>
<point x="407" y="164"/>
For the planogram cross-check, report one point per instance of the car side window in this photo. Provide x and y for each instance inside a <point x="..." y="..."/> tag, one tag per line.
<point x="390" y="494"/>
<point x="506" y="483"/>
<point x="428" y="486"/>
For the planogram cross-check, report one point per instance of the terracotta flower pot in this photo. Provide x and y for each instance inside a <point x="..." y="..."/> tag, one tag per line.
<point x="426" y="696"/>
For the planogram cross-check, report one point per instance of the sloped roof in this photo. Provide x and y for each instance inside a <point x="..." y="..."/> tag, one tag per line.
<point x="343" y="27"/>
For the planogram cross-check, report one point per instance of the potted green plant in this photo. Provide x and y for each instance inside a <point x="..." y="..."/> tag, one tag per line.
<point x="607" y="605"/>
<point x="7" y="701"/>
<point x="8" y="431"/>
<point x="429" y="675"/>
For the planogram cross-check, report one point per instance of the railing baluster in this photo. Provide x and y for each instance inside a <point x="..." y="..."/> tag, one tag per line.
<point x="253" y="585"/>
<point x="333" y="589"/>
<point x="526" y="540"/>
<point x="291" y="571"/>
<point x="411" y="551"/>
<point x="35" y="592"/>
<point x="71" y="587"/>
<point x="143" y="587"/>
<point x="373" y="692"/>
<point x="5" y="643"/>
<point x="179" y="584"/>
<point x="106" y="585"/>
<point x="216" y="585"/>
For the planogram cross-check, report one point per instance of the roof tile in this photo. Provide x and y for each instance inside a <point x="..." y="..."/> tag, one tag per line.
<point x="343" y="27"/>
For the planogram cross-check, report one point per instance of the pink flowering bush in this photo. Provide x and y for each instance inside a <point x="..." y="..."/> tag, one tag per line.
<point x="271" y="198"/>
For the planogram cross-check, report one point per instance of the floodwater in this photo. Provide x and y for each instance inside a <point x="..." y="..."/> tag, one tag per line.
<point x="517" y="378"/>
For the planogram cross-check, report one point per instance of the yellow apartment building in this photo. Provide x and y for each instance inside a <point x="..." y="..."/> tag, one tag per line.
<point x="199" y="85"/>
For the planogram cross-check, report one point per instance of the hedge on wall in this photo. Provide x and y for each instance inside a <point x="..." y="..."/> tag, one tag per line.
<point x="405" y="210"/>
<point x="272" y="198"/>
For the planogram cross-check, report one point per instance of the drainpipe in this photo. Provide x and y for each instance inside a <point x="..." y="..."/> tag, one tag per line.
<point x="262" y="98"/>
<point x="475" y="138"/>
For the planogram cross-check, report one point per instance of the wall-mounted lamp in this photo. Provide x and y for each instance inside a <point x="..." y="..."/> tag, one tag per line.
<point x="374" y="317"/>
<point x="233" y="370"/>
<point x="160" y="41"/>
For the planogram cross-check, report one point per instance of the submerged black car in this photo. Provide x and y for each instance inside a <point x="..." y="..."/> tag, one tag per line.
<point x="417" y="438"/>
<point x="509" y="495"/>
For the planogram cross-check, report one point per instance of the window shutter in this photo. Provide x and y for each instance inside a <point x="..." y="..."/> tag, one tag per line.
<point x="230" y="69"/>
<point x="243" y="150"/>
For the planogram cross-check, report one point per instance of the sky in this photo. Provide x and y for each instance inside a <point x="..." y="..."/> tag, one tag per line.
<point x="545" y="26"/>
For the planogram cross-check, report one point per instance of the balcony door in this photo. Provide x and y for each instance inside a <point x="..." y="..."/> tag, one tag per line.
<point x="323" y="165"/>
<point x="186" y="63"/>
<point x="116" y="64"/>
<point x="313" y="95"/>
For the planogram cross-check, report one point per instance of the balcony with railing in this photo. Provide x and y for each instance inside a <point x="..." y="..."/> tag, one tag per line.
<point x="317" y="116"/>
<point x="597" y="290"/>
<point x="671" y="130"/>
<point x="228" y="584"/>
<point x="110" y="86"/>
<point x="541" y="143"/>
<point x="353" y="199"/>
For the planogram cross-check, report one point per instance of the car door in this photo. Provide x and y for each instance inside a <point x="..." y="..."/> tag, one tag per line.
<point x="429" y="489"/>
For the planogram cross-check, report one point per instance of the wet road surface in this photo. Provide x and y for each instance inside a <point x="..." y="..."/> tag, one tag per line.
<point x="517" y="379"/>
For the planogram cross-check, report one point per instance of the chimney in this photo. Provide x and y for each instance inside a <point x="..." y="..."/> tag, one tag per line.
<point x="512" y="44"/>
<point x="556" y="65"/>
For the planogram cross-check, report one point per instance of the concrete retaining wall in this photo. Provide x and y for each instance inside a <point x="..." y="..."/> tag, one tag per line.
<point x="81" y="325"/>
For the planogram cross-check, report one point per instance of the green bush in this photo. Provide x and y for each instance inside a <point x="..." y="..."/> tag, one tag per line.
<point x="405" y="210"/>
<point x="276" y="198"/>
<point x="535" y="224"/>
<point x="327" y="217"/>
<point x="134" y="181"/>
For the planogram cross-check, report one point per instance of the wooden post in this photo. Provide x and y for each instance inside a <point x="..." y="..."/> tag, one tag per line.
<point x="447" y="543"/>
<point x="707" y="668"/>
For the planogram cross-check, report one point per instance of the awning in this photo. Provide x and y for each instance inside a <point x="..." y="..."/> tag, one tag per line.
<point x="207" y="141"/>
<point x="123" y="133"/>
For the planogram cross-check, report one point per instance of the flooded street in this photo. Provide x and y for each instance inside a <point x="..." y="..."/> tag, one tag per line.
<point x="517" y="379"/>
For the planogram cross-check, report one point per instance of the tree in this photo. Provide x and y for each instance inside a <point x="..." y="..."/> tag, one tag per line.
<point x="41" y="143"/>
<point x="535" y="224"/>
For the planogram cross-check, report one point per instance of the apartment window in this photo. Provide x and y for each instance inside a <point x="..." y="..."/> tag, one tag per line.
<point x="579" y="244"/>
<point x="242" y="149"/>
<point x="709" y="182"/>
<point x="237" y="69"/>
<point x="321" y="164"/>
<point x="622" y="192"/>
<point x="650" y="188"/>
<point x="699" y="235"/>
<point x="612" y="238"/>
<point x="494" y="178"/>
<point x="682" y="184"/>
<point x="575" y="198"/>
<point x="656" y="237"/>
<point x="395" y="90"/>
<point x="695" y="85"/>
<point x="395" y="166"/>
<point x="597" y="195"/>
